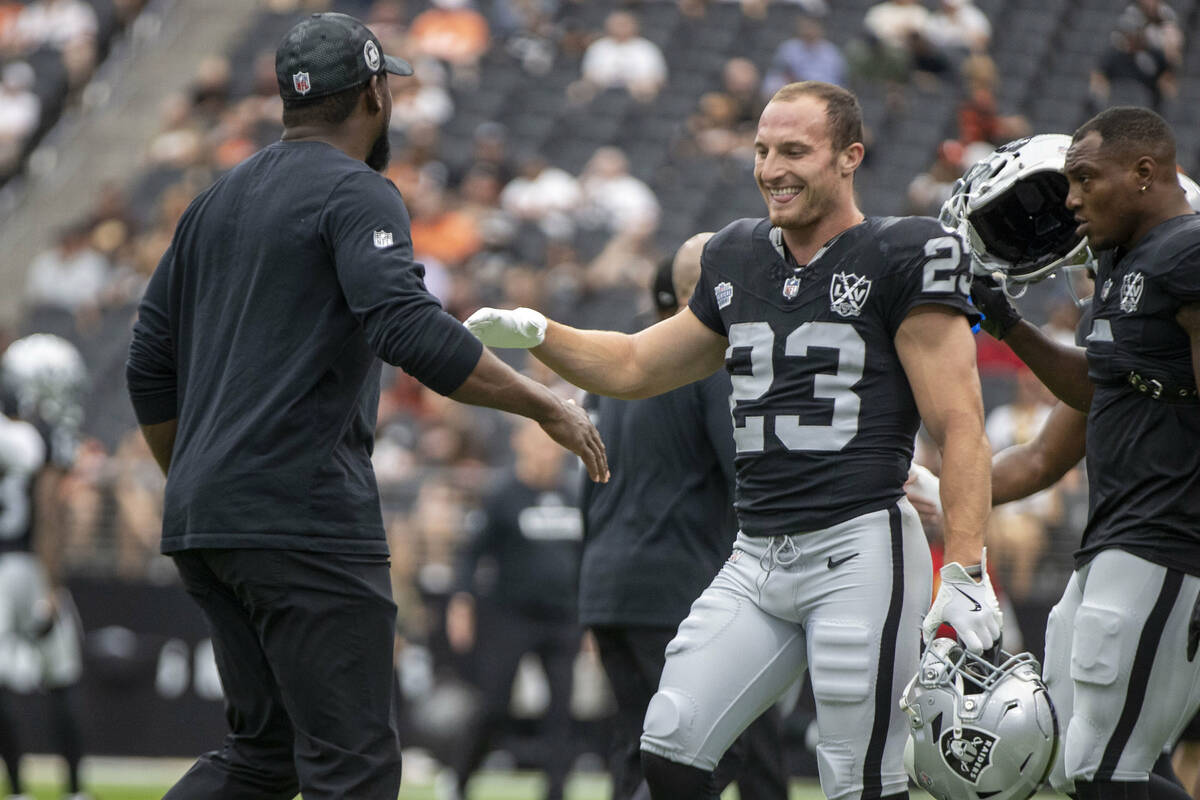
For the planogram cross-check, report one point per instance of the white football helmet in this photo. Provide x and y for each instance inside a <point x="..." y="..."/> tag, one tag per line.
<point x="1191" y="190"/>
<point x="1011" y="209"/>
<point x="978" y="731"/>
<point x="43" y="380"/>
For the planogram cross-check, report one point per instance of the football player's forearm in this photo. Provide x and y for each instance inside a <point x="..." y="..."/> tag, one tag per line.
<point x="1062" y="368"/>
<point x="965" y="489"/>
<point x="601" y="362"/>
<point x="1023" y="469"/>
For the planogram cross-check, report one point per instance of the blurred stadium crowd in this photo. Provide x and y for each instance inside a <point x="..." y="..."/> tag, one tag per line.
<point x="551" y="153"/>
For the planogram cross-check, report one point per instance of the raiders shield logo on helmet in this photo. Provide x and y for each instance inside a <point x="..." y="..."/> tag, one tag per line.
<point x="970" y="754"/>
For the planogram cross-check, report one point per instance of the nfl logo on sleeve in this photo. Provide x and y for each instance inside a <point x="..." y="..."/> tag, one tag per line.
<point x="300" y="82"/>
<point x="383" y="239"/>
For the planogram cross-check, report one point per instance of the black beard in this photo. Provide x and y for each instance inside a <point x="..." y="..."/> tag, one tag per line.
<point x="381" y="152"/>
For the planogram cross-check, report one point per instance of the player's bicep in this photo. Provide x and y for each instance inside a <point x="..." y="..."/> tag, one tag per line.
<point x="675" y="352"/>
<point x="937" y="350"/>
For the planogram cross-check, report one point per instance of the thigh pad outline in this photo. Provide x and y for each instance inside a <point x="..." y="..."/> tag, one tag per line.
<point x="1096" y="644"/>
<point x="841" y="662"/>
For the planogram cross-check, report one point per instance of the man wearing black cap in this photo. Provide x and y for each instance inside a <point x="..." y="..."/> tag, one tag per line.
<point x="254" y="372"/>
<point x="654" y="537"/>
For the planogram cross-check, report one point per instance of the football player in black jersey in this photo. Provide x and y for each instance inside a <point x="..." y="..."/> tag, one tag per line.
<point x="840" y="333"/>
<point x="1123" y="622"/>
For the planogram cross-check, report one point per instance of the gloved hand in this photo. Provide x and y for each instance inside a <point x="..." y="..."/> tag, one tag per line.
<point x="968" y="606"/>
<point x="999" y="314"/>
<point x="496" y="327"/>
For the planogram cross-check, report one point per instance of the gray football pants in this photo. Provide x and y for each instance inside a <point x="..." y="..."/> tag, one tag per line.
<point x="1117" y="668"/>
<point x="846" y="603"/>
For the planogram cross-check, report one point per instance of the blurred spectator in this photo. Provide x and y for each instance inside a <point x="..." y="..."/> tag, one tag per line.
<point x="543" y="194"/>
<point x="210" y="88"/>
<point x="530" y="532"/>
<point x="421" y="99"/>
<point x="930" y="189"/>
<point x="742" y="83"/>
<point x="958" y="28"/>
<point x="1159" y="25"/>
<point x="615" y="199"/>
<point x="979" y="118"/>
<point x="895" y="22"/>
<point x="20" y="112"/>
<point x="623" y="58"/>
<point x="1130" y="62"/>
<point x="180" y="139"/>
<point x="1017" y="531"/>
<point x="441" y="231"/>
<point x="713" y="127"/>
<point x="137" y="485"/>
<point x="808" y="56"/>
<point x="68" y="26"/>
<point x="455" y="32"/>
<point x="70" y="275"/>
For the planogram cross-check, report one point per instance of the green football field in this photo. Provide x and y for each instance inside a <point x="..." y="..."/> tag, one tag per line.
<point x="148" y="779"/>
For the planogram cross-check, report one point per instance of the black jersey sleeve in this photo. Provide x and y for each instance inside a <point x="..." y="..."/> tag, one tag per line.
<point x="704" y="302"/>
<point x="150" y="368"/>
<point x="929" y="266"/>
<point x="367" y="227"/>
<point x="1182" y="279"/>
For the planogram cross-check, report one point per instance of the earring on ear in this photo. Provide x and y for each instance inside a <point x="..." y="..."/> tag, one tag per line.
<point x="1145" y="186"/>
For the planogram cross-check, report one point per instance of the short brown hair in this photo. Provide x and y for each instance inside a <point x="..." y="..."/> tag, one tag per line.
<point x="1131" y="131"/>
<point x="843" y="114"/>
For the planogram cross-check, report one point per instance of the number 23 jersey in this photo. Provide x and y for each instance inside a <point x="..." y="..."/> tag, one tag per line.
<point x="823" y="414"/>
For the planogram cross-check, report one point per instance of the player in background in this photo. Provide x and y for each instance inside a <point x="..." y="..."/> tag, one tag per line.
<point x="528" y="535"/>
<point x="1121" y="644"/>
<point x="655" y="536"/>
<point x="42" y="378"/>
<point x="840" y="333"/>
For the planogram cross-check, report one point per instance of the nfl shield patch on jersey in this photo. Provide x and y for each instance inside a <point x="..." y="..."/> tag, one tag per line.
<point x="383" y="239"/>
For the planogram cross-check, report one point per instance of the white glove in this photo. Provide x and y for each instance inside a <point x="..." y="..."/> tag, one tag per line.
<point x="968" y="606"/>
<point x="495" y="327"/>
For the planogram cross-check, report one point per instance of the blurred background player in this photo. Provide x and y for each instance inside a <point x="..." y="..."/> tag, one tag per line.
<point x="42" y="378"/>
<point x="655" y="536"/>
<point x="518" y="578"/>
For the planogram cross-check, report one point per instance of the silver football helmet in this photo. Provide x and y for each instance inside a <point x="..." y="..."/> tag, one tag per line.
<point x="1011" y="209"/>
<point x="43" y="380"/>
<point x="978" y="731"/>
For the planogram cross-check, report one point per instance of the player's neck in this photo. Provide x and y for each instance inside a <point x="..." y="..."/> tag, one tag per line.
<point x="803" y="243"/>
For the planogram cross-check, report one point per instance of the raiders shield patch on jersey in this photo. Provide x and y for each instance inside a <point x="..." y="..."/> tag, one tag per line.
<point x="847" y="293"/>
<point x="970" y="754"/>
<point x="1131" y="291"/>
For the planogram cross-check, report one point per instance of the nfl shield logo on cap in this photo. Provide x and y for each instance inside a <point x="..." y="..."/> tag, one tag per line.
<point x="300" y="82"/>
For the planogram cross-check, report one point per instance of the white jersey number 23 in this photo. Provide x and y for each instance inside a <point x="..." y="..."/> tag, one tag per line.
<point x="851" y="358"/>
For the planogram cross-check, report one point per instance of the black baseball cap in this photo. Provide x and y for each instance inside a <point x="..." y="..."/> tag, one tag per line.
<point x="326" y="53"/>
<point x="662" y="288"/>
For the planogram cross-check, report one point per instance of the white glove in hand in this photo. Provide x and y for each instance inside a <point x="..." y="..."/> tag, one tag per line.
<point x="968" y="606"/>
<point x="495" y="327"/>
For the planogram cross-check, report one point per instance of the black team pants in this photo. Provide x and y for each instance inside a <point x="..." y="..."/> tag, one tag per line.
<point x="303" y="644"/>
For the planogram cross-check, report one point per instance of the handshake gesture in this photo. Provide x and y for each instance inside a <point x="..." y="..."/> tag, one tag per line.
<point x="495" y="327"/>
